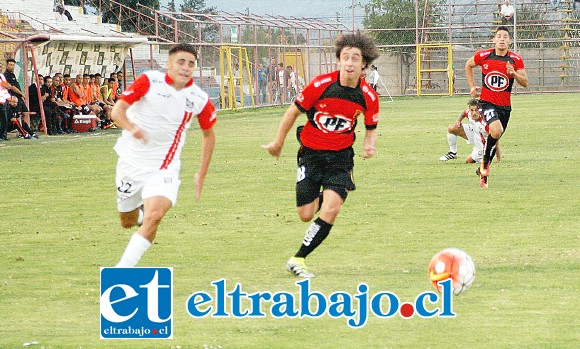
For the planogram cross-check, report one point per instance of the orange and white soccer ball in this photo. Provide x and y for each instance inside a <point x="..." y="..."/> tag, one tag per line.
<point x="455" y="264"/>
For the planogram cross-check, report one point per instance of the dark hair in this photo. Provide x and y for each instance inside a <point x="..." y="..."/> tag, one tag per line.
<point x="10" y="60"/>
<point x="183" y="48"/>
<point x="86" y="75"/>
<point x="98" y="74"/>
<point x="66" y="76"/>
<point x="504" y="28"/>
<point x="361" y="41"/>
<point x="111" y="80"/>
<point x="473" y="102"/>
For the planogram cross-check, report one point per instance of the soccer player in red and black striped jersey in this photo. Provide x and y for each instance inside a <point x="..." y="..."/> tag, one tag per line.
<point x="499" y="68"/>
<point x="332" y="103"/>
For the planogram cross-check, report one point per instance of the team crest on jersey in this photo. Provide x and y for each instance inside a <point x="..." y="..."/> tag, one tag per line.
<point x="332" y="123"/>
<point x="188" y="104"/>
<point x="496" y="81"/>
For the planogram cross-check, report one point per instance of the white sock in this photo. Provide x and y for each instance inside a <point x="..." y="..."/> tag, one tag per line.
<point x="452" y="140"/>
<point x="140" y="219"/>
<point x="136" y="248"/>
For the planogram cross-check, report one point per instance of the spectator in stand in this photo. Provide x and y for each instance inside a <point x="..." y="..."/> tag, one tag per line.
<point x="34" y="103"/>
<point x="4" y="96"/>
<point x="13" y="84"/>
<point x="292" y="83"/>
<point x="77" y="96"/>
<point x="507" y="12"/>
<point x="120" y="83"/>
<point x="15" y="122"/>
<point x="273" y="78"/>
<point x="373" y="77"/>
<point x="66" y="81"/>
<point x="60" y="9"/>
<point x="101" y="101"/>
<point x="115" y="86"/>
<point x="262" y="83"/>
<point x="64" y="108"/>
<point x="555" y="4"/>
<point x="53" y="122"/>
<point x="90" y="96"/>
<point x="283" y="81"/>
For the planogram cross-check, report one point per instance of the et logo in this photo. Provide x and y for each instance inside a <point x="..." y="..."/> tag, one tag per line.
<point x="496" y="81"/>
<point x="136" y="303"/>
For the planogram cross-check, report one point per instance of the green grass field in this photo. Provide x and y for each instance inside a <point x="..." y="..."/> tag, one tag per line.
<point x="59" y="225"/>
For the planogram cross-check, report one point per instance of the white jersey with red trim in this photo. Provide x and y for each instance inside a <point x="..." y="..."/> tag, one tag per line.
<point x="479" y="126"/>
<point x="4" y="94"/>
<point x="165" y="114"/>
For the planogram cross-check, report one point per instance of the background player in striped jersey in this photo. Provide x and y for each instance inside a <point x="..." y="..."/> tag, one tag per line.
<point x="332" y="102"/>
<point x="499" y="69"/>
<point x="154" y="113"/>
<point x="475" y="132"/>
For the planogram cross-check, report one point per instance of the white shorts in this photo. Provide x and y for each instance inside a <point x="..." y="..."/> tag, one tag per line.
<point x="135" y="185"/>
<point x="469" y="132"/>
<point x="474" y="137"/>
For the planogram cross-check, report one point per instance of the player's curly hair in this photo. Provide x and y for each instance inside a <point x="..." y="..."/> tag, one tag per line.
<point x="361" y="41"/>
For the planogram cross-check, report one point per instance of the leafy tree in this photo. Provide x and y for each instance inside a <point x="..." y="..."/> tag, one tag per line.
<point x="399" y="17"/>
<point x="130" y="14"/>
<point x="190" y="29"/>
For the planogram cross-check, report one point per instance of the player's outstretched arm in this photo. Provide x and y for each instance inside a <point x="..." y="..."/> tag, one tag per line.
<point x="207" y="147"/>
<point x="290" y="116"/>
<point x="119" y="116"/>
<point x="474" y="90"/>
<point x="369" y="144"/>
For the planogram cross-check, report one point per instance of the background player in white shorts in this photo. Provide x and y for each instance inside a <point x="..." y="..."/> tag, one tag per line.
<point x="155" y="112"/>
<point x="475" y="132"/>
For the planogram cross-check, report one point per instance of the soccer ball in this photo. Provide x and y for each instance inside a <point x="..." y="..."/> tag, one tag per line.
<point x="455" y="264"/>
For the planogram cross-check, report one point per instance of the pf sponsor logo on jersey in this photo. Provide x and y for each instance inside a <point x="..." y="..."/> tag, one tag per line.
<point x="136" y="303"/>
<point x="332" y="123"/>
<point x="496" y="81"/>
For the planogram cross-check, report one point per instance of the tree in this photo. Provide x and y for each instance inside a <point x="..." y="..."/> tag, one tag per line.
<point x="393" y="22"/>
<point x="124" y="12"/>
<point x="190" y="29"/>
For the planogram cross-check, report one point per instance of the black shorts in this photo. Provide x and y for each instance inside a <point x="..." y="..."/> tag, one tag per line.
<point x="323" y="168"/>
<point x="492" y="112"/>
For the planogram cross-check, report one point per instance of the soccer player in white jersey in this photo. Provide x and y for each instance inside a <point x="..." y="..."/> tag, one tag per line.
<point x="475" y="132"/>
<point x="154" y="113"/>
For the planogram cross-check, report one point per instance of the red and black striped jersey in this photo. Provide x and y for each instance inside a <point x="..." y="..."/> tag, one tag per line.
<point x="496" y="83"/>
<point x="332" y="111"/>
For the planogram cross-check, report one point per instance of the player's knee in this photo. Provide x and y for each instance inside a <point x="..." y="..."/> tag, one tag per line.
<point x="126" y="223"/>
<point x="452" y="129"/>
<point x="305" y="217"/>
<point x="496" y="133"/>
<point x="154" y="216"/>
<point x="331" y="211"/>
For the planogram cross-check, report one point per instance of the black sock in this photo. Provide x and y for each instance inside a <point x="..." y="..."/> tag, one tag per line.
<point x="315" y="235"/>
<point x="489" y="149"/>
